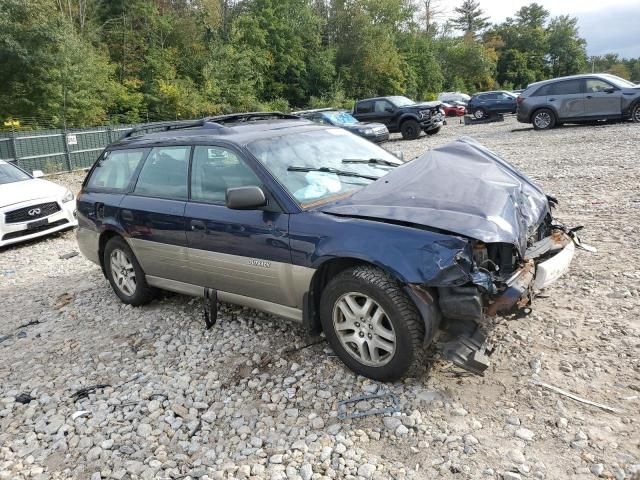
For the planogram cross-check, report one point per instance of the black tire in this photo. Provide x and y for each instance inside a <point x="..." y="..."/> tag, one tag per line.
<point x="635" y="113"/>
<point x="143" y="293"/>
<point x="410" y="129"/>
<point x="543" y="119"/>
<point x="480" y="114"/>
<point x="432" y="131"/>
<point x="398" y="311"/>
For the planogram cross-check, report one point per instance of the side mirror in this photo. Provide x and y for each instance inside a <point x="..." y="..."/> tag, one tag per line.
<point x="38" y="173"/>
<point x="245" y="198"/>
<point x="388" y="109"/>
<point x="609" y="90"/>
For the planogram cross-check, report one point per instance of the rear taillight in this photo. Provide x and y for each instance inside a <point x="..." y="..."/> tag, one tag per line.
<point x="519" y="100"/>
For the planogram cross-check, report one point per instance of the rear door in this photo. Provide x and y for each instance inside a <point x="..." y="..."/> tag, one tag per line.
<point x="364" y="111"/>
<point x="245" y="252"/>
<point x="567" y="98"/>
<point x="602" y="99"/>
<point x="153" y="213"/>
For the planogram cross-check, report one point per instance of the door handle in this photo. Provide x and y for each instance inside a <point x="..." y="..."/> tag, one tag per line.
<point x="198" y="225"/>
<point x="589" y="96"/>
<point x="552" y="99"/>
<point x="127" y="215"/>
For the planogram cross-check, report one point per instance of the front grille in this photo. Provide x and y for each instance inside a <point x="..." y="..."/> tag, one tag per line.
<point x="37" y="211"/>
<point x="42" y="228"/>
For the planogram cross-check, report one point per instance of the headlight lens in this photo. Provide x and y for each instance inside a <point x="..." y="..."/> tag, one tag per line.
<point x="368" y="131"/>
<point x="68" y="196"/>
<point x="425" y="113"/>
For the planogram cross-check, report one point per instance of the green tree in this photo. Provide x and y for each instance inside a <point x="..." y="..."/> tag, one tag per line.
<point x="567" y="51"/>
<point x="470" y="17"/>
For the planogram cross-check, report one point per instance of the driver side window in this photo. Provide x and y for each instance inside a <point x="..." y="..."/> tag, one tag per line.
<point x="595" y="86"/>
<point x="214" y="169"/>
<point x="382" y="106"/>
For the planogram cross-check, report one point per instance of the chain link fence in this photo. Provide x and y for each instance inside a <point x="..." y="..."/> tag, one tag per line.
<point x="55" y="151"/>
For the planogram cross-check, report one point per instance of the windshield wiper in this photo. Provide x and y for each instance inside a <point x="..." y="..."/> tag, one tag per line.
<point x="372" y="161"/>
<point x="335" y="171"/>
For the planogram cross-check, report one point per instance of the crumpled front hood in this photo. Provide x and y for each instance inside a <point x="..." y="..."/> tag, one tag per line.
<point x="461" y="187"/>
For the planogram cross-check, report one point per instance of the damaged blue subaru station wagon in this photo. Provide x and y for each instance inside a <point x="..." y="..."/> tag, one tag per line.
<point x="312" y="223"/>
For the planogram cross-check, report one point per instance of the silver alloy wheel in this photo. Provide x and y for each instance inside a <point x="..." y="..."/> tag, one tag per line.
<point x="542" y="120"/>
<point x="478" y="113"/>
<point x="123" y="272"/>
<point x="364" y="329"/>
<point x="636" y="114"/>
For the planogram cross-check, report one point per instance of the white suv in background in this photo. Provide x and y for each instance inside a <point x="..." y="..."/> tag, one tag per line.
<point x="31" y="207"/>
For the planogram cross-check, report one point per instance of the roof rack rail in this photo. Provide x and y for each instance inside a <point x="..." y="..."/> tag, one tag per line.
<point x="218" y="119"/>
<point x="165" y="126"/>
<point x="250" y="116"/>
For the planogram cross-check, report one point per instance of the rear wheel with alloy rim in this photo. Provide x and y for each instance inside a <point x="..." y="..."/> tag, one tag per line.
<point x="479" y="113"/>
<point x="635" y="113"/>
<point x="544" y="119"/>
<point x="371" y="324"/>
<point x="125" y="274"/>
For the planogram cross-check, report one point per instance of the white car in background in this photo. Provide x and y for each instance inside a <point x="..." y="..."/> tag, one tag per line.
<point x="31" y="207"/>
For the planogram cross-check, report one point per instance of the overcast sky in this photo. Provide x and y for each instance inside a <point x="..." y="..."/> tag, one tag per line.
<point x="607" y="25"/>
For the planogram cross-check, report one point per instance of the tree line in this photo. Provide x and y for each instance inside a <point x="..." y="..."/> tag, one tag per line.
<point x="89" y="62"/>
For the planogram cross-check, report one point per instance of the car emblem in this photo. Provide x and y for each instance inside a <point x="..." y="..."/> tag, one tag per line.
<point x="34" y="211"/>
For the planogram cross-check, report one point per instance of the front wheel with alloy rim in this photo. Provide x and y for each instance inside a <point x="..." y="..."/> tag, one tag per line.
<point x="635" y="113"/>
<point x="371" y="324"/>
<point x="125" y="274"/>
<point x="543" y="119"/>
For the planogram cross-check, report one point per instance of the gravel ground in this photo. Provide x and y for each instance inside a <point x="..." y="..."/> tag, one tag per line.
<point x="168" y="399"/>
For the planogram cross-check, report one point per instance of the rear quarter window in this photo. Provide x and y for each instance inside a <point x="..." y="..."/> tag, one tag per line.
<point x="115" y="169"/>
<point x="364" y="107"/>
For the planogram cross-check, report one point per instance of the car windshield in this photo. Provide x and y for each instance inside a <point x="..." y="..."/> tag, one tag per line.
<point x="295" y="160"/>
<point x="340" y="118"/>
<point x="11" y="174"/>
<point x="620" y="82"/>
<point x="401" y="101"/>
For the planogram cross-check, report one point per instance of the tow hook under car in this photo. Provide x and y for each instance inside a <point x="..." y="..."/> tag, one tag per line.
<point x="470" y="350"/>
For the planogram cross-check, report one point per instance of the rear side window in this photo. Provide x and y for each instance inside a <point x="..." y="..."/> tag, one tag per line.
<point x="541" y="92"/>
<point x="114" y="171"/>
<point x="567" y="87"/>
<point x="215" y="169"/>
<point x="365" y="107"/>
<point x="164" y="173"/>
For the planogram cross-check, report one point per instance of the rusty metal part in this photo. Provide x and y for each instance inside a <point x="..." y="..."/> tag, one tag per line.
<point x="517" y="290"/>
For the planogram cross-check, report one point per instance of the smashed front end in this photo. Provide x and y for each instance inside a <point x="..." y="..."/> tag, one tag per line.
<point x="514" y="246"/>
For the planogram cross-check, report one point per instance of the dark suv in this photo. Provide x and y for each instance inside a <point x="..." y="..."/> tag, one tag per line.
<point x="485" y="104"/>
<point x="401" y="114"/>
<point x="579" y="98"/>
<point x="315" y="224"/>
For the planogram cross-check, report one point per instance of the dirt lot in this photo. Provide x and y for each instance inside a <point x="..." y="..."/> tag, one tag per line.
<point x="237" y="402"/>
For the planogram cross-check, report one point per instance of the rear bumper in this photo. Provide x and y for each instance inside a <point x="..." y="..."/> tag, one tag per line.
<point x="11" y="233"/>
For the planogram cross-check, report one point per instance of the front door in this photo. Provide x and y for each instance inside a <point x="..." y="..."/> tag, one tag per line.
<point x="602" y="99"/>
<point x="245" y="252"/>
<point x="153" y="214"/>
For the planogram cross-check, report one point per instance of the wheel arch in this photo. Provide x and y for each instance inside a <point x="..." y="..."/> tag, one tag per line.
<point x="422" y="298"/>
<point x="105" y="236"/>
<point x="544" y="107"/>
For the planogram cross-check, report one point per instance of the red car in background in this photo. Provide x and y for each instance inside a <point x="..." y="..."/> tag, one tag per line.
<point x="454" y="109"/>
